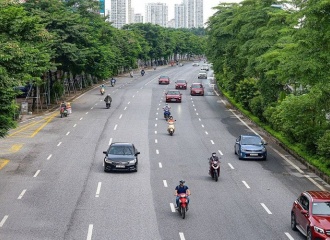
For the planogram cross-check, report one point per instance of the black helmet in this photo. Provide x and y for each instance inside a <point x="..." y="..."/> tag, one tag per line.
<point x="182" y="181"/>
<point x="214" y="154"/>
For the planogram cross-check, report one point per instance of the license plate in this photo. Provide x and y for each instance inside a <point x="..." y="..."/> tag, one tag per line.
<point x="197" y="91"/>
<point x="120" y="166"/>
<point x="180" y="86"/>
<point x="253" y="154"/>
<point x="173" y="100"/>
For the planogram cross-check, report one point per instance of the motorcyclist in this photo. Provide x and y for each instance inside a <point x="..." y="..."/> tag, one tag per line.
<point x="108" y="98"/>
<point x="102" y="89"/>
<point x="142" y="72"/>
<point x="113" y="81"/>
<point x="214" y="157"/>
<point x="181" y="188"/>
<point x="167" y="108"/>
<point x="170" y="122"/>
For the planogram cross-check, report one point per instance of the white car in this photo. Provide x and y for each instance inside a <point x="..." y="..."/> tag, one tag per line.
<point x="205" y="67"/>
<point x="195" y="63"/>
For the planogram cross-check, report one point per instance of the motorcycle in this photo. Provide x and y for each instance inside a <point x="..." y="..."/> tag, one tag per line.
<point x="167" y="114"/>
<point x="171" y="128"/>
<point x="183" y="204"/>
<point x="102" y="90"/>
<point x="142" y="73"/>
<point x="108" y="104"/>
<point x="63" y="112"/>
<point x="113" y="82"/>
<point x="215" y="169"/>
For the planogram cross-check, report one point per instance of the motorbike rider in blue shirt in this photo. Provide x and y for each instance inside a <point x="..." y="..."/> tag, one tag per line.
<point x="181" y="189"/>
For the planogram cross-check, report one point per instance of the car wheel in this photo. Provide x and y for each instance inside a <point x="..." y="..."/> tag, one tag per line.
<point x="293" y="222"/>
<point x="239" y="156"/>
<point x="235" y="151"/>
<point x="105" y="169"/>
<point x="309" y="234"/>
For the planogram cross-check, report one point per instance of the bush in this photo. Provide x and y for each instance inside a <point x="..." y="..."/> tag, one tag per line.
<point x="323" y="145"/>
<point x="257" y="107"/>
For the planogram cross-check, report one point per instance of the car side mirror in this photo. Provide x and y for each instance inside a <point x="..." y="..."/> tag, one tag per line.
<point x="137" y="153"/>
<point x="304" y="212"/>
<point x="105" y="152"/>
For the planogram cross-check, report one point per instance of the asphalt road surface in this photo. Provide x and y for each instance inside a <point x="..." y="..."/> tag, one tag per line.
<point x="53" y="186"/>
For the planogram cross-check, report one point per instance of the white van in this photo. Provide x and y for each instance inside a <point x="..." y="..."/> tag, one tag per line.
<point x="205" y="67"/>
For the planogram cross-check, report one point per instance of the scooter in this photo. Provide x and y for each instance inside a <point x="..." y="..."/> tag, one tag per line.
<point x="183" y="204"/>
<point x="102" y="90"/>
<point x="63" y="112"/>
<point x="108" y="104"/>
<point x="113" y="82"/>
<point x="142" y="73"/>
<point x="171" y="128"/>
<point x="215" y="170"/>
<point x="167" y="114"/>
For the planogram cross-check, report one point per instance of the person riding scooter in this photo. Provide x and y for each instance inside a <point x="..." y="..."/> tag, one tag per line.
<point x="171" y="128"/>
<point x="214" y="157"/>
<point x="113" y="82"/>
<point x="181" y="189"/>
<point x="167" y="111"/>
<point x="108" y="100"/>
<point x="102" y="89"/>
<point x="142" y="72"/>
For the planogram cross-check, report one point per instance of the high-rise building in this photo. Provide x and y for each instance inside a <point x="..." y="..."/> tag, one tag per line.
<point x="193" y="13"/>
<point x="179" y="16"/>
<point x="138" y="18"/>
<point x="157" y="13"/>
<point x="120" y="12"/>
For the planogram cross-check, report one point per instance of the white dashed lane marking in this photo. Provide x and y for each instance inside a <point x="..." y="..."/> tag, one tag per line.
<point x="246" y="185"/>
<point x="36" y="174"/>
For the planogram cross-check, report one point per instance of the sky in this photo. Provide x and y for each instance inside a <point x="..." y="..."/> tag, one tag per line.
<point x="139" y="6"/>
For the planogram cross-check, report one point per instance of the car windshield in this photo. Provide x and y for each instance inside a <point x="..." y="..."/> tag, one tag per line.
<point x="250" y="140"/>
<point x="121" y="150"/>
<point x="164" y="77"/>
<point x="196" y="86"/>
<point x="321" y="208"/>
<point x="181" y="81"/>
<point x="173" y="93"/>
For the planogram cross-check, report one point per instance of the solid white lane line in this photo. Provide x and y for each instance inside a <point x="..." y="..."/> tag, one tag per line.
<point x="90" y="232"/>
<point x="120" y="116"/>
<point x="22" y="194"/>
<point x="125" y="108"/>
<point x="86" y="112"/>
<point x="115" y="127"/>
<point x="67" y="133"/>
<point x="315" y="183"/>
<point x="128" y="102"/>
<point x="181" y="236"/>
<point x="155" y="132"/>
<point x="110" y="141"/>
<point x="212" y="142"/>
<point x="289" y="236"/>
<point x="202" y="125"/>
<point x="3" y="220"/>
<point x="59" y="144"/>
<point x="36" y="174"/>
<point x="266" y="208"/>
<point x="291" y="163"/>
<point x="246" y="185"/>
<point x="220" y="153"/>
<point x="50" y="155"/>
<point x="157" y="151"/>
<point x="160" y="165"/>
<point x="206" y="133"/>
<point x="81" y="119"/>
<point x="155" y="124"/>
<point x="98" y="190"/>
<point x="165" y="183"/>
<point x="75" y="125"/>
<point x="231" y="166"/>
<point x="172" y="207"/>
<point x="156" y="141"/>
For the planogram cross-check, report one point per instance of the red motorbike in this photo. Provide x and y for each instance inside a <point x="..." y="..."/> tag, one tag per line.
<point x="215" y="169"/>
<point x="183" y="204"/>
<point x="63" y="112"/>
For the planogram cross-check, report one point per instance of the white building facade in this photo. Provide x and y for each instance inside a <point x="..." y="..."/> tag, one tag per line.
<point x="179" y="16"/>
<point x="156" y="13"/>
<point x="119" y="12"/>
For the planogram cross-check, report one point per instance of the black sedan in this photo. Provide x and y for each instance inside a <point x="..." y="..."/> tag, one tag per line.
<point x="250" y="147"/>
<point x="121" y="156"/>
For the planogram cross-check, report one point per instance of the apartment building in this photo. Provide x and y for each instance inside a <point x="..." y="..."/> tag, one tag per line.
<point x="156" y="13"/>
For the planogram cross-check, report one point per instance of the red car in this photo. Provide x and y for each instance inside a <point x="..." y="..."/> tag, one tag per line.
<point x="181" y="84"/>
<point x="173" y="96"/>
<point x="310" y="214"/>
<point x="164" y="80"/>
<point x="197" y="89"/>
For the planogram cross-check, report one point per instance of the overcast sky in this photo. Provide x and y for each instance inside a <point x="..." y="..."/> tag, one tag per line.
<point x="139" y="6"/>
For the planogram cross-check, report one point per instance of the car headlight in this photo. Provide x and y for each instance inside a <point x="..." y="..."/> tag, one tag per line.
<point x="263" y="149"/>
<point x="319" y="230"/>
<point x="132" y="161"/>
<point x="108" y="161"/>
<point x="243" y="149"/>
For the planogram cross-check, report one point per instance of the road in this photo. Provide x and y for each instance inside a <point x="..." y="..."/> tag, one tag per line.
<point x="53" y="185"/>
